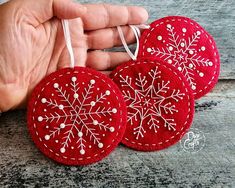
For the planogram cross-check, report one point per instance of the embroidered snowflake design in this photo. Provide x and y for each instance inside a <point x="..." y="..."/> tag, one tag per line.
<point x="150" y="103"/>
<point x="182" y="53"/>
<point x="81" y="118"/>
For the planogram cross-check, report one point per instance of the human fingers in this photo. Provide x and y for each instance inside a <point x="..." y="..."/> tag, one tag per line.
<point x="108" y="38"/>
<point x="101" y="16"/>
<point x="104" y="61"/>
<point x="41" y="11"/>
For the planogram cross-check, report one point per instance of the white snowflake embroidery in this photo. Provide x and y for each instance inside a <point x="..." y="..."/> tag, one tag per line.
<point x="80" y="117"/>
<point x="182" y="53"/>
<point x="150" y="103"/>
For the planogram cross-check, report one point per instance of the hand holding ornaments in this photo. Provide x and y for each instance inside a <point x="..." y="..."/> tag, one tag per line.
<point x="77" y="116"/>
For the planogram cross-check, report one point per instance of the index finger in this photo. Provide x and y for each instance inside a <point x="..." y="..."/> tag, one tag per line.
<point x="101" y="16"/>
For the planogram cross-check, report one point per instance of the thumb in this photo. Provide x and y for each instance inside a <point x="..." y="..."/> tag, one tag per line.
<point x="41" y="11"/>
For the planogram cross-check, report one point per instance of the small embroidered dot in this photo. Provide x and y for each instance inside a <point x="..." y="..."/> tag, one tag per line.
<point x="193" y="87"/>
<point x="210" y="63"/>
<point x="47" y="127"/>
<point x="170" y="48"/>
<point x="75" y="95"/>
<point x="149" y="50"/>
<point x="56" y="85"/>
<point x="52" y="94"/>
<point x="110" y="119"/>
<point x="169" y="61"/>
<point x="107" y="92"/>
<point x="62" y="125"/>
<point x="98" y="89"/>
<point x="74" y="79"/>
<point x="184" y="30"/>
<point x="190" y="65"/>
<point x="66" y="85"/>
<point x="201" y="74"/>
<point x="43" y="100"/>
<point x="191" y="52"/>
<point x="80" y="134"/>
<point x="199" y="32"/>
<point x="62" y="150"/>
<point x="89" y="146"/>
<point x="114" y="110"/>
<point x="92" y="103"/>
<point x="100" y="145"/>
<point x="179" y="68"/>
<point x="95" y="122"/>
<point x="92" y="82"/>
<point x="47" y="137"/>
<point x="108" y="102"/>
<point x="72" y="147"/>
<point x="112" y="129"/>
<point x="45" y="110"/>
<point x="56" y="141"/>
<point x="61" y="107"/>
<point x="159" y="38"/>
<point x="40" y="118"/>
<point x="169" y="26"/>
<point x="82" y="151"/>
<point x="203" y="48"/>
<point x="182" y="44"/>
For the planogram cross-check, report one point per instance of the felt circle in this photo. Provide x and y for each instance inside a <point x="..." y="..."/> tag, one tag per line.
<point x="184" y="44"/>
<point x="160" y="103"/>
<point x="76" y="116"/>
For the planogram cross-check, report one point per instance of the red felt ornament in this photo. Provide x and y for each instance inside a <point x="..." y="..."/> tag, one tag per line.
<point x="184" y="44"/>
<point x="160" y="103"/>
<point x="76" y="116"/>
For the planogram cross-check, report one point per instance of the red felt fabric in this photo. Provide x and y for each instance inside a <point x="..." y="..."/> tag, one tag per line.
<point x="185" y="44"/>
<point x="160" y="103"/>
<point x="76" y="116"/>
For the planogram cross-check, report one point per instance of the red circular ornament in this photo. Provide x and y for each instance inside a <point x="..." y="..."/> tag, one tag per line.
<point x="160" y="103"/>
<point x="76" y="116"/>
<point x="186" y="45"/>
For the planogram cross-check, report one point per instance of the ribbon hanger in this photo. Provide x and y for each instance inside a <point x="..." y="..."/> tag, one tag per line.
<point x="67" y="37"/>
<point x="137" y="33"/>
<point x="135" y="29"/>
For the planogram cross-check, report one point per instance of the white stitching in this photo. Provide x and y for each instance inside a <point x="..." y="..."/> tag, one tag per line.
<point x="189" y="109"/>
<point x="202" y="30"/>
<point x="119" y="104"/>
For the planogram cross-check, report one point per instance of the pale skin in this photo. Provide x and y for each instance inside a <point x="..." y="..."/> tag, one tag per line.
<point x="32" y="43"/>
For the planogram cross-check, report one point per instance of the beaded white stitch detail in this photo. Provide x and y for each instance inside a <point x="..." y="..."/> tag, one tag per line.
<point x="74" y="111"/>
<point x="183" y="53"/>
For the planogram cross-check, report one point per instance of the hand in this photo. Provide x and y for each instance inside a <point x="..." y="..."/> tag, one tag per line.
<point x="32" y="43"/>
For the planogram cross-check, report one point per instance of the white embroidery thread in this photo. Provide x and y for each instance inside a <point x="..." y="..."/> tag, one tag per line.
<point x="148" y="102"/>
<point x="182" y="53"/>
<point x="79" y="115"/>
